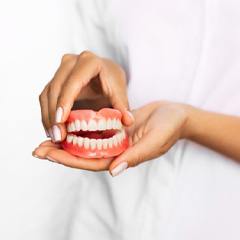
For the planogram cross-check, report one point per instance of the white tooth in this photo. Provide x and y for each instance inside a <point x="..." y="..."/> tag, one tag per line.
<point x="105" y="143"/>
<point x="119" y="137"/>
<point x="115" y="141"/>
<point x="102" y="124"/>
<point x="84" y="125"/>
<point x="99" y="144"/>
<point x="119" y="124"/>
<point x="92" y="125"/>
<point x="69" y="138"/>
<point x="78" y="125"/>
<point x="75" y="138"/>
<point x="109" y="124"/>
<point x="80" y="141"/>
<point x="69" y="127"/>
<point x="110" y="142"/>
<point x="93" y="143"/>
<point x="86" y="142"/>
<point x="114" y="123"/>
<point x="73" y="129"/>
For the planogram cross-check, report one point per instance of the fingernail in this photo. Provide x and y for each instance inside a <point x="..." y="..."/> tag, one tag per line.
<point x="51" y="159"/>
<point x="47" y="133"/>
<point x="50" y="133"/>
<point x="59" y="113"/>
<point x="130" y="115"/>
<point x="56" y="133"/>
<point x="35" y="155"/>
<point x="119" y="169"/>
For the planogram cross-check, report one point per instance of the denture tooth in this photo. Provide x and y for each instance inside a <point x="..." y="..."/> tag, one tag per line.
<point x="110" y="142"/>
<point x="102" y="125"/>
<point x="69" y="127"/>
<point x="114" y="123"/>
<point x="119" y="124"/>
<point x="69" y="138"/>
<point x="105" y="143"/>
<point x="93" y="143"/>
<point x="73" y="129"/>
<point x="92" y="125"/>
<point x="119" y="137"/>
<point x="75" y="140"/>
<point x="80" y="141"/>
<point x="78" y="125"/>
<point x="84" y="125"/>
<point x="109" y="124"/>
<point x="99" y="144"/>
<point x="115" y="141"/>
<point x="86" y="142"/>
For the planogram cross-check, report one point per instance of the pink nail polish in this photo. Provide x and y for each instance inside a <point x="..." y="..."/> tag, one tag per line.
<point x="59" y="114"/>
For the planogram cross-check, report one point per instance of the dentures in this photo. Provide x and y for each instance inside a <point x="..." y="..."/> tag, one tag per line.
<point x="95" y="134"/>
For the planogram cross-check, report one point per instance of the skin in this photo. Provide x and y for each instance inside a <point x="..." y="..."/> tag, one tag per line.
<point x="159" y="126"/>
<point x="80" y="77"/>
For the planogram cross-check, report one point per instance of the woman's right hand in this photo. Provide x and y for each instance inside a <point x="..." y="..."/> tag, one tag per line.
<point x="71" y="82"/>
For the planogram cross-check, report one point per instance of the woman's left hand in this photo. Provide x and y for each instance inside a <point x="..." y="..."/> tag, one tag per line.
<point x="157" y="127"/>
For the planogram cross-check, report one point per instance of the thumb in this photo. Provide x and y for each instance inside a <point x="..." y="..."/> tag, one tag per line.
<point x="134" y="155"/>
<point x="120" y="102"/>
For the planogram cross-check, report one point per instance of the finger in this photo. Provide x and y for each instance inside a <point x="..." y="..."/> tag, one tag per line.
<point x="67" y="64"/>
<point x="59" y="132"/>
<point x="69" y="160"/>
<point x="85" y="69"/>
<point x="43" y="100"/>
<point x="49" y="143"/>
<point x="134" y="155"/>
<point x="41" y="152"/>
<point x="120" y="102"/>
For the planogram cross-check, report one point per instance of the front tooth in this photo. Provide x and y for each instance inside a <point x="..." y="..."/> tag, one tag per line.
<point x="115" y="141"/>
<point x="119" y="124"/>
<point x="80" y="141"/>
<point x="78" y="125"/>
<point x="86" y="142"/>
<point x="105" y="143"/>
<point x="73" y="129"/>
<point x="110" y="142"/>
<point x="93" y="143"/>
<point x="75" y="139"/>
<point x="69" y="138"/>
<point x="115" y="124"/>
<point x="92" y="125"/>
<point x="69" y="127"/>
<point x="99" y="144"/>
<point x="84" y="125"/>
<point x="102" y="124"/>
<point x="109" y="124"/>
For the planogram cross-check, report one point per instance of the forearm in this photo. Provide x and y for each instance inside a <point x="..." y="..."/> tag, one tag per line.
<point x="216" y="131"/>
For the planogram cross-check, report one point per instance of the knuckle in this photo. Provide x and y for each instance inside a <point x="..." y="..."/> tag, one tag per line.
<point x="68" y="58"/>
<point x="85" y="54"/>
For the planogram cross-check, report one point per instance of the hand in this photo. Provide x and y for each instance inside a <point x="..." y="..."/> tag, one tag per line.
<point x="82" y="76"/>
<point x="157" y="127"/>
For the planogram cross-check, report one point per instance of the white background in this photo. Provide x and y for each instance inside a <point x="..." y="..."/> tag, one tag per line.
<point x="33" y="37"/>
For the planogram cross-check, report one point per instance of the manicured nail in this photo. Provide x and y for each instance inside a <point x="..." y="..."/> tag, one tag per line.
<point x="131" y="115"/>
<point x="50" y="133"/>
<point x="56" y="133"/>
<point x="59" y="114"/>
<point x="47" y="133"/>
<point x="119" y="169"/>
<point x="51" y="159"/>
<point x="35" y="155"/>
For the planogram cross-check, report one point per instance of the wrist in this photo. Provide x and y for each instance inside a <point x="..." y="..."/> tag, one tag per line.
<point x="189" y="127"/>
